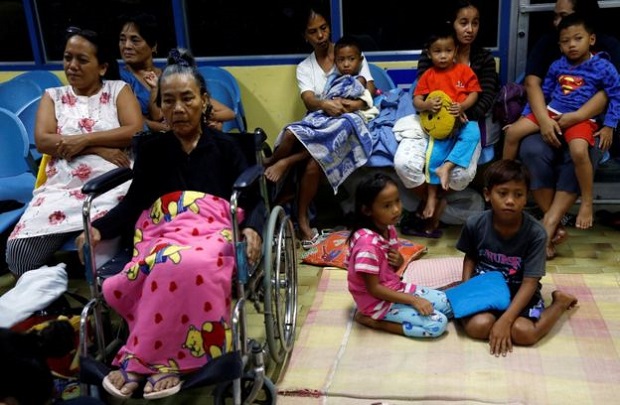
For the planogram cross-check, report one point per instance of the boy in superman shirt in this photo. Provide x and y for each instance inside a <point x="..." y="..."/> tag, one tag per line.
<point x="570" y="82"/>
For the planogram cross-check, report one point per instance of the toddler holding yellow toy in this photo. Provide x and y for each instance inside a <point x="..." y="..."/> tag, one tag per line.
<point x="441" y="96"/>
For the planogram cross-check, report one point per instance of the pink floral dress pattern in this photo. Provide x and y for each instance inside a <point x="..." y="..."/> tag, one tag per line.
<point x="175" y="293"/>
<point x="57" y="204"/>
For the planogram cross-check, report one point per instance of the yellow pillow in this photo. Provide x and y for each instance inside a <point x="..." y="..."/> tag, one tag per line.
<point x="441" y="124"/>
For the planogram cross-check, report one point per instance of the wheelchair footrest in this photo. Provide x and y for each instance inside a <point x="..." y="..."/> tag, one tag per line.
<point x="92" y="371"/>
<point x="227" y="367"/>
<point x="224" y="368"/>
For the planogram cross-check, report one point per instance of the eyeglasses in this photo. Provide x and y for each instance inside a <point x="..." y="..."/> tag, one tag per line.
<point x="88" y="34"/>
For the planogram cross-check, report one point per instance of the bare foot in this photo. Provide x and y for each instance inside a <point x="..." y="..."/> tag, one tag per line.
<point x="550" y="251"/>
<point x="431" y="204"/>
<point x="443" y="172"/>
<point x="276" y="171"/>
<point x="565" y="300"/>
<point x="160" y="382"/>
<point x="585" y="216"/>
<point x="429" y="210"/>
<point x="365" y="320"/>
<point x="127" y="383"/>
<point x="559" y="235"/>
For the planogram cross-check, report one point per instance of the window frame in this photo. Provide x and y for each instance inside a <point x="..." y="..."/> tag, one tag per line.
<point x="180" y="27"/>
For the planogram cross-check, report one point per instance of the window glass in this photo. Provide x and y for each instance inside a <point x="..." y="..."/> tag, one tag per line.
<point x="227" y="28"/>
<point x="391" y="27"/>
<point x="542" y="22"/>
<point x="223" y="28"/>
<point x="56" y="15"/>
<point x="14" y="32"/>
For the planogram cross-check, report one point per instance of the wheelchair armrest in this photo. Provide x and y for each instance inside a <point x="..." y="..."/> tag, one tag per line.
<point x="260" y="137"/>
<point x="107" y="181"/>
<point x="248" y="177"/>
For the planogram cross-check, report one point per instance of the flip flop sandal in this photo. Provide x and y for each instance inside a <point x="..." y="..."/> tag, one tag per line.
<point x="162" y="393"/>
<point x="112" y="390"/>
<point x="568" y="219"/>
<point x="308" y="244"/>
<point x="326" y="231"/>
<point x="434" y="234"/>
<point x="418" y="227"/>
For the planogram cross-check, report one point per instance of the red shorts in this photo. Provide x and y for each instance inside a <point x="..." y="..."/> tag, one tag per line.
<point x="582" y="130"/>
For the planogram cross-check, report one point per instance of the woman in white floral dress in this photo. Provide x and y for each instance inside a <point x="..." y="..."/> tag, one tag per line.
<point x="85" y="127"/>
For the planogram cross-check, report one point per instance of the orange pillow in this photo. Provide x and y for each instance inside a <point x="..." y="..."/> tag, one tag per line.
<point x="332" y="251"/>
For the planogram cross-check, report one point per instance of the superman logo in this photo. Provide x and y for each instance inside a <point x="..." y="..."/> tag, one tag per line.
<point x="570" y="83"/>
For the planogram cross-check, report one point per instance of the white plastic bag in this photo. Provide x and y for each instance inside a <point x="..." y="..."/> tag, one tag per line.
<point x="34" y="291"/>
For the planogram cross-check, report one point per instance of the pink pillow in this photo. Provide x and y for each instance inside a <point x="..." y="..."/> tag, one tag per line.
<point x="440" y="273"/>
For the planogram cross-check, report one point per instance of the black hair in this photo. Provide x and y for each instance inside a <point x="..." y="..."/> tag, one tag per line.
<point x="103" y="50"/>
<point x="366" y="193"/>
<point x="181" y="61"/>
<point x="505" y="170"/>
<point x="346" y="41"/>
<point x="591" y="11"/>
<point x="144" y="22"/>
<point x="309" y="10"/>
<point x="457" y="6"/>
<point x="29" y="379"/>
<point x="587" y="8"/>
<point x="576" y="19"/>
<point x="444" y="30"/>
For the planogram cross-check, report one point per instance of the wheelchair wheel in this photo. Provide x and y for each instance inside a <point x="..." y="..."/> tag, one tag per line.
<point x="280" y="285"/>
<point x="223" y="393"/>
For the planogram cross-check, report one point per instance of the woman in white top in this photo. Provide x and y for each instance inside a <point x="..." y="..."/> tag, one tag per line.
<point x="313" y="74"/>
<point x="85" y="127"/>
<point x="314" y="71"/>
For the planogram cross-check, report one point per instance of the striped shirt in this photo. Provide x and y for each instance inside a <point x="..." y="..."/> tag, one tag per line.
<point x="369" y="254"/>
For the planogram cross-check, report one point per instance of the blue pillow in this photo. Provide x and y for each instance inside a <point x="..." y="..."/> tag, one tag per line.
<point x="485" y="292"/>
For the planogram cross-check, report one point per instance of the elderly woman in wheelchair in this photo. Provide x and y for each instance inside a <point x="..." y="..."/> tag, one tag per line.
<point x="175" y="293"/>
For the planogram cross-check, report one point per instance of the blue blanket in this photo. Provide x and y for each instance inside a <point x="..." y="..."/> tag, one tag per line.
<point x="339" y="144"/>
<point x="396" y="104"/>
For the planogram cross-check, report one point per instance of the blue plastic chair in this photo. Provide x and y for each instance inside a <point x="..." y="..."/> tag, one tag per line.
<point x="16" y="94"/>
<point x="223" y="75"/>
<point x="383" y="81"/>
<point x="16" y="179"/>
<point x="44" y="78"/>
<point x="28" y="116"/>
<point x="221" y="92"/>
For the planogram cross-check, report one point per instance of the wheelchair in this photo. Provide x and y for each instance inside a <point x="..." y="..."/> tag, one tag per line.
<point x="239" y="376"/>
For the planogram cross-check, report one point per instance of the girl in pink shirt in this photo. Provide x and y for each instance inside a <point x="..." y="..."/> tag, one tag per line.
<point x="383" y="301"/>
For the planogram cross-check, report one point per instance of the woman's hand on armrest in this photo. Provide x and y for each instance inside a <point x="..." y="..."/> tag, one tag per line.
<point x="254" y="245"/>
<point x="95" y="238"/>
